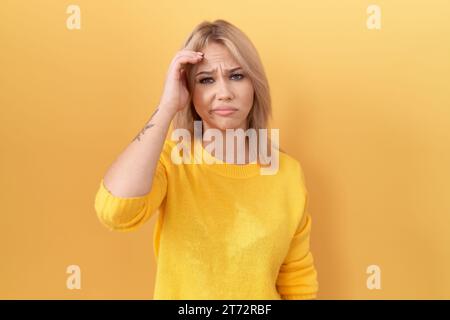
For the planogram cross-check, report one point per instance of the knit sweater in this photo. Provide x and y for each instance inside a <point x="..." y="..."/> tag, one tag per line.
<point x="223" y="231"/>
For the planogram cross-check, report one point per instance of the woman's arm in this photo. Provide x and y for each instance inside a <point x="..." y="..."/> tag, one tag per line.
<point x="131" y="174"/>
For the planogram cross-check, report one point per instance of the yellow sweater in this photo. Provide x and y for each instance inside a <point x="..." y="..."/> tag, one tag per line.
<point x="224" y="231"/>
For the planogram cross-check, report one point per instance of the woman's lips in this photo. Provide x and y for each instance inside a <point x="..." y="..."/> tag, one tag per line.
<point x="224" y="111"/>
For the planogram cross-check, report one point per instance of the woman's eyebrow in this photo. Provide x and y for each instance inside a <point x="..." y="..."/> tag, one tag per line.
<point x="211" y="71"/>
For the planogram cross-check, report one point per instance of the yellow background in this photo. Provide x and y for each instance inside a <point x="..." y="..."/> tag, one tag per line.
<point x="366" y="112"/>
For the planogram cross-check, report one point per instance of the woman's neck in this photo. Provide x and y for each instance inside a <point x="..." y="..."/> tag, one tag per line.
<point x="236" y="152"/>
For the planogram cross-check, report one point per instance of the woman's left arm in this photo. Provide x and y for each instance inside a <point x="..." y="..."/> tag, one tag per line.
<point x="297" y="278"/>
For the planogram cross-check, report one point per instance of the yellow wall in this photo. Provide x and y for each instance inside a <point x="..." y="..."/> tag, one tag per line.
<point x="367" y="112"/>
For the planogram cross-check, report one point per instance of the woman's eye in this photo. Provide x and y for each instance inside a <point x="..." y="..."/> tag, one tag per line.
<point x="240" y="76"/>
<point x="202" y="81"/>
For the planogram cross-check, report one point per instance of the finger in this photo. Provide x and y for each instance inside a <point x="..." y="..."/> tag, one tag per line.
<point x="186" y="59"/>
<point x="183" y="76"/>
<point x="183" y="58"/>
<point x="183" y="52"/>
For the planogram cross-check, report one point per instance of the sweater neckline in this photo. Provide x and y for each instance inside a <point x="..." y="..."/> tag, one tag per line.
<point x="220" y="167"/>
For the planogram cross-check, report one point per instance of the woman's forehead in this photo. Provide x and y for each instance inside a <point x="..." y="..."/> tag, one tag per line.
<point x="216" y="54"/>
<point x="213" y="64"/>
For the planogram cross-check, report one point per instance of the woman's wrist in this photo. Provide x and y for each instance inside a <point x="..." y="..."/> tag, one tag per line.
<point x="168" y="111"/>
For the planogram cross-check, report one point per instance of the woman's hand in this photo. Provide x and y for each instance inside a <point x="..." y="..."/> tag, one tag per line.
<point x="175" y="95"/>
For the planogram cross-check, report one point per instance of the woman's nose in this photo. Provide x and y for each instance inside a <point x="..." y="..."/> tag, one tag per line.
<point x="223" y="90"/>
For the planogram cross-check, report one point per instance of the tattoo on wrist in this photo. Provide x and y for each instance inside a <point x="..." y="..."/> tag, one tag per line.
<point x="147" y="126"/>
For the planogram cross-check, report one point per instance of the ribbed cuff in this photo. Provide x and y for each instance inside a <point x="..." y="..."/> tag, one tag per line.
<point x="119" y="213"/>
<point x="299" y="296"/>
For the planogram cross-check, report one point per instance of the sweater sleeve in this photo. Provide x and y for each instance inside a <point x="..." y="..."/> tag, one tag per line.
<point x="127" y="214"/>
<point x="297" y="277"/>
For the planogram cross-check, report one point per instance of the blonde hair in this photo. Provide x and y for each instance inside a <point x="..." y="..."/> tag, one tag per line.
<point x="244" y="52"/>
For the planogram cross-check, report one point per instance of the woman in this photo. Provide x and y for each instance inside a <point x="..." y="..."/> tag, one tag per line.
<point x="224" y="230"/>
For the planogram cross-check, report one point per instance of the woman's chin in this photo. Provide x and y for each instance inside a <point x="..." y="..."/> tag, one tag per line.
<point x="225" y="124"/>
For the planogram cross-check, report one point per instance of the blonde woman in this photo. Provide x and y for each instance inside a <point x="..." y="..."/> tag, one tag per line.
<point x="224" y="230"/>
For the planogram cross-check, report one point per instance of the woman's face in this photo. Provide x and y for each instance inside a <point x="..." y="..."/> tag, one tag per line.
<point x="223" y="95"/>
